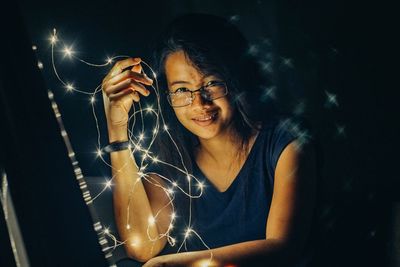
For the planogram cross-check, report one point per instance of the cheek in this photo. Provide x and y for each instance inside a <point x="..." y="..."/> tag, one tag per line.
<point x="226" y="109"/>
<point x="180" y="115"/>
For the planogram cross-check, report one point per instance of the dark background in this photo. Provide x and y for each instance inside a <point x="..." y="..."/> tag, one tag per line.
<point x="334" y="46"/>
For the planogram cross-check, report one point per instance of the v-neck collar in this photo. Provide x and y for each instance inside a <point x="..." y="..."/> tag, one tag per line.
<point x="238" y="176"/>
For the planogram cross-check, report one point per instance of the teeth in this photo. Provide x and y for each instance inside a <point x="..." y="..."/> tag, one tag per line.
<point x="205" y="118"/>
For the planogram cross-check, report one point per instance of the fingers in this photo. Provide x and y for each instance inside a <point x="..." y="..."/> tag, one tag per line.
<point x="137" y="68"/>
<point x="126" y="84"/>
<point x="121" y="65"/>
<point x="133" y="94"/>
<point x="128" y="74"/>
<point x="126" y="80"/>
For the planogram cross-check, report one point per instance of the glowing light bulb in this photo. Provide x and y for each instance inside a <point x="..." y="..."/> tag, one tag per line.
<point x="135" y="242"/>
<point x="69" y="87"/>
<point x="53" y="38"/>
<point x="40" y="65"/>
<point x="128" y="226"/>
<point x="206" y="263"/>
<point x="138" y="147"/>
<point x="155" y="159"/>
<point x="188" y="178"/>
<point x="92" y="99"/>
<point x="108" y="184"/>
<point x="154" y="131"/>
<point x="152" y="220"/>
<point x="109" y="60"/>
<point x="200" y="185"/>
<point x="187" y="233"/>
<point x="170" y="191"/>
<point x="141" y="136"/>
<point x="106" y="231"/>
<point x="99" y="152"/>
<point x="165" y="127"/>
<point x="175" y="184"/>
<point x="68" y="51"/>
<point x="149" y="109"/>
<point x="173" y="215"/>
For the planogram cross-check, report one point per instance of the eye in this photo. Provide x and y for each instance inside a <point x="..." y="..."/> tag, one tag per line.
<point x="213" y="82"/>
<point x="181" y="90"/>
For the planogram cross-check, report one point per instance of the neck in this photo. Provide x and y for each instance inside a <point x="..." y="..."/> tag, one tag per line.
<point x="223" y="146"/>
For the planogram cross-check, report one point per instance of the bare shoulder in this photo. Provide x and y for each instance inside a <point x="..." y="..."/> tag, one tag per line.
<point x="293" y="194"/>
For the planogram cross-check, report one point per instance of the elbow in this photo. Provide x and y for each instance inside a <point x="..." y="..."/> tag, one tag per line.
<point x="143" y="251"/>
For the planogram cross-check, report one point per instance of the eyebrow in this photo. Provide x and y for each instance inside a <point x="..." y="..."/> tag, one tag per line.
<point x="179" y="82"/>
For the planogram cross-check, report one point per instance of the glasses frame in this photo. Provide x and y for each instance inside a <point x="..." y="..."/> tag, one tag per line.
<point x="202" y="91"/>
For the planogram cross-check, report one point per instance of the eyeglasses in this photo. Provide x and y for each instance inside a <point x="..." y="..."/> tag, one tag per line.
<point x="184" y="97"/>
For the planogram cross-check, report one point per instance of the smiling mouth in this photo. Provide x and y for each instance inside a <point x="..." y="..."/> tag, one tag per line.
<point x="206" y="117"/>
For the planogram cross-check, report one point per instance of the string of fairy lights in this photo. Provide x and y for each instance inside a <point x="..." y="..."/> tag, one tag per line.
<point x="144" y="149"/>
<point x="136" y="146"/>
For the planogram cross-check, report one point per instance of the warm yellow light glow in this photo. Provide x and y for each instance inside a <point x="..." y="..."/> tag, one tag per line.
<point x="149" y="109"/>
<point x="135" y="241"/>
<point x="53" y="39"/>
<point x="187" y="233"/>
<point x="170" y="191"/>
<point x="208" y="263"/>
<point x="152" y="220"/>
<point x="68" y="51"/>
<point x="200" y="185"/>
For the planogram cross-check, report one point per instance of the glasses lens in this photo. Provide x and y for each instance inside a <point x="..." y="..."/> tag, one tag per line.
<point x="209" y="92"/>
<point x="214" y="91"/>
<point x="179" y="99"/>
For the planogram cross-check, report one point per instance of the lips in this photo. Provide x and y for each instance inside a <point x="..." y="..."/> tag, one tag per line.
<point x="205" y="119"/>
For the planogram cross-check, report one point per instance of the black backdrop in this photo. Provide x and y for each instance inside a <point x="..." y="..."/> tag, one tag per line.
<point x="337" y="47"/>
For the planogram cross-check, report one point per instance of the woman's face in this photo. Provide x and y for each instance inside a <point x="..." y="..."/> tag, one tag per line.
<point x="206" y="119"/>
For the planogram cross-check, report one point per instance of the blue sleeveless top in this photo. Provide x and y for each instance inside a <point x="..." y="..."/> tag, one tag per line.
<point x="240" y="213"/>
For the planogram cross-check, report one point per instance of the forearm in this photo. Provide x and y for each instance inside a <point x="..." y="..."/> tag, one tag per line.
<point x="132" y="207"/>
<point x="251" y="253"/>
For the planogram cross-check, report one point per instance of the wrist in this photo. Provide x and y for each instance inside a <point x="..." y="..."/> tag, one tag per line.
<point x="117" y="146"/>
<point x="117" y="133"/>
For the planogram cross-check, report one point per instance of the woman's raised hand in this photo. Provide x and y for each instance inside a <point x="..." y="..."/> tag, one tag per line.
<point x="123" y="85"/>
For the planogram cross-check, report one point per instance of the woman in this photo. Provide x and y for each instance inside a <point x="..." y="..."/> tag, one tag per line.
<point x="260" y="186"/>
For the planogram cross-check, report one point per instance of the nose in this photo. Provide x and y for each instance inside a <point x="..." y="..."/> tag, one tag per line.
<point x="199" y="99"/>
